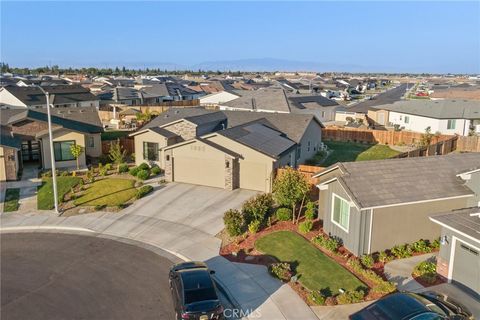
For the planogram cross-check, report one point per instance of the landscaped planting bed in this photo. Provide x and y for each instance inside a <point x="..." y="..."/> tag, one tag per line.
<point x="45" y="191"/>
<point x="108" y="192"/>
<point x="11" y="200"/>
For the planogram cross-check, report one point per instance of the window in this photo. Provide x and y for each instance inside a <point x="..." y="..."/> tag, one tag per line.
<point x="407" y="119"/>
<point x="61" y="150"/>
<point x="299" y="151"/>
<point x="150" y="151"/>
<point x="340" y="212"/>
<point x="451" y="124"/>
<point x="323" y="114"/>
<point x="308" y="146"/>
<point x="90" y="142"/>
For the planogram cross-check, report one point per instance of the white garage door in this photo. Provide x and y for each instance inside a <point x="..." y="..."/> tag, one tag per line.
<point x="199" y="171"/>
<point x="253" y="176"/>
<point x="466" y="266"/>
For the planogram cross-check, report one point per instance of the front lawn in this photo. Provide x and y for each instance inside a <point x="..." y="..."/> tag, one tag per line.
<point x="45" y="191"/>
<point x="108" y="192"/>
<point x="315" y="270"/>
<point x="11" y="200"/>
<point x="350" y="151"/>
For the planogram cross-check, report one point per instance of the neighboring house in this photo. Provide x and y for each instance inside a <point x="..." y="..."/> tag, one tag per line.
<point x="323" y="108"/>
<point x="444" y="116"/>
<point x="60" y="96"/>
<point x="459" y="256"/>
<point x="227" y="149"/>
<point x="25" y="137"/>
<point x="374" y="205"/>
<point x="218" y="98"/>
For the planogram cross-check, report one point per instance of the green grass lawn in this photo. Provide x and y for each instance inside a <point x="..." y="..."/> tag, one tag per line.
<point x="45" y="191"/>
<point x="315" y="270"/>
<point x="350" y="151"/>
<point x="11" y="200"/>
<point x="113" y="135"/>
<point x="108" y="192"/>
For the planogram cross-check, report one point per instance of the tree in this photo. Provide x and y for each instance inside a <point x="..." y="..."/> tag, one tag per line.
<point x="426" y="138"/>
<point x="117" y="154"/>
<point x="76" y="150"/>
<point x="289" y="188"/>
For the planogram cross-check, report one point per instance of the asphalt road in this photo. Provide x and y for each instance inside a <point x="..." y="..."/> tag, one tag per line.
<point x="387" y="97"/>
<point x="57" y="276"/>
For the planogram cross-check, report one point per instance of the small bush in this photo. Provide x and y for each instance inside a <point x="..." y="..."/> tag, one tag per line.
<point x="383" y="257"/>
<point x="330" y="244"/>
<point x="435" y="244"/>
<point x="284" y="214"/>
<point x="426" y="270"/>
<point x="108" y="166"/>
<point x="64" y="174"/>
<point x="143" y="174"/>
<point x="99" y="207"/>
<point x="310" y="211"/>
<point x="102" y="171"/>
<point x="134" y="171"/>
<point x="384" y="287"/>
<point x="254" y="226"/>
<point x="355" y="265"/>
<point x="421" y="246"/>
<point x="234" y="222"/>
<point x="122" y="168"/>
<point x="90" y="176"/>
<point x="46" y="174"/>
<point x="281" y="270"/>
<point x="156" y="170"/>
<point x="349" y="297"/>
<point x="143" y="166"/>
<point x="316" y="298"/>
<point x="305" y="226"/>
<point x="367" y="261"/>
<point x="143" y="191"/>
<point x="258" y="208"/>
<point x="401" y="251"/>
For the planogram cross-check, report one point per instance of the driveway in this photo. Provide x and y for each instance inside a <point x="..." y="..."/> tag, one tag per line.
<point x="198" y="207"/>
<point x="59" y="276"/>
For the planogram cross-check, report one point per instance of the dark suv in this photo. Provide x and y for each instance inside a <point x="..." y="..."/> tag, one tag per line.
<point x="194" y="292"/>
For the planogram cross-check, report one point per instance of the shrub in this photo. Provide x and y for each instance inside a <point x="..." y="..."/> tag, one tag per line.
<point x="254" y="226"/>
<point x="381" y="286"/>
<point x="143" y="191"/>
<point x="316" y="298"/>
<point x="284" y="214"/>
<point x="355" y="265"/>
<point x="401" y="251"/>
<point x="384" y="287"/>
<point x="99" y="207"/>
<point x="122" y="168"/>
<point x="134" y="171"/>
<point x="102" y="171"/>
<point x="281" y="270"/>
<point x="257" y="208"/>
<point x="348" y="297"/>
<point x="143" y="174"/>
<point x="367" y="261"/>
<point x="421" y="246"/>
<point x="435" y="244"/>
<point x="143" y="166"/>
<point x="310" y="211"/>
<point x="46" y="174"/>
<point x="64" y="174"/>
<point x="426" y="270"/>
<point x="305" y="226"/>
<point x="108" y="166"/>
<point x="234" y="222"/>
<point x="383" y="257"/>
<point x="330" y="244"/>
<point x="90" y="176"/>
<point x="156" y="170"/>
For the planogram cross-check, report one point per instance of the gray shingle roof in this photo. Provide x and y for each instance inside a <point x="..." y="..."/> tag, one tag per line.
<point x="174" y="114"/>
<point x="271" y="99"/>
<point x="465" y="220"/>
<point x="395" y="181"/>
<point x="163" y="132"/>
<point x="64" y="94"/>
<point x="299" y="100"/>
<point x="438" y="109"/>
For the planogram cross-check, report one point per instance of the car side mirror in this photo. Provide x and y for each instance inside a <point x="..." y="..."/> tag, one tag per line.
<point x="212" y="271"/>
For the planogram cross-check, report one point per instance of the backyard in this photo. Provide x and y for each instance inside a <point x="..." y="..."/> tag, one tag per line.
<point x="350" y="151"/>
<point x="108" y="192"/>
<point x="315" y="270"/>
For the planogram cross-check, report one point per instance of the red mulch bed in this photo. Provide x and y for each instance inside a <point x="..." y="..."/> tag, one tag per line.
<point x="438" y="280"/>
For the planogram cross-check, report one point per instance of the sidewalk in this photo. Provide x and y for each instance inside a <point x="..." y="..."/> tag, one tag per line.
<point x="28" y="189"/>
<point x="249" y="285"/>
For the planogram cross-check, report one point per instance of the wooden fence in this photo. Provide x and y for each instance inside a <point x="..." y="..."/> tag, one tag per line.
<point x="468" y="144"/>
<point x="376" y="136"/>
<point x="126" y="142"/>
<point x="439" y="148"/>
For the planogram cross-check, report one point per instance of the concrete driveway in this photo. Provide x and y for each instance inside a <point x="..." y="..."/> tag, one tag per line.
<point x="195" y="206"/>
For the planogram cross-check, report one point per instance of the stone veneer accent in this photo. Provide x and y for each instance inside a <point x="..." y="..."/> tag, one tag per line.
<point x="10" y="163"/>
<point x="184" y="129"/>
<point x="169" y="165"/>
<point x="442" y="267"/>
<point x="232" y="173"/>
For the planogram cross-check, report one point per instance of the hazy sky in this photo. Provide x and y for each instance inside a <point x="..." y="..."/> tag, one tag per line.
<point x="390" y="36"/>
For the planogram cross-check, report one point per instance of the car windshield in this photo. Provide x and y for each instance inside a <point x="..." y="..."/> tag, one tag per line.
<point x="432" y="304"/>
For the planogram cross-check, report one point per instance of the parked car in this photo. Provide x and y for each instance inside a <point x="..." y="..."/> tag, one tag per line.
<point x="413" y="306"/>
<point x="194" y="292"/>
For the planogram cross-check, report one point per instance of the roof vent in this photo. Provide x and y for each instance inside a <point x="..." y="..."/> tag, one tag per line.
<point x="177" y="111"/>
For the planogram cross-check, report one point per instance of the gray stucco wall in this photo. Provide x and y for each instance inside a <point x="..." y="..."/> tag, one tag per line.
<point x="474" y="184"/>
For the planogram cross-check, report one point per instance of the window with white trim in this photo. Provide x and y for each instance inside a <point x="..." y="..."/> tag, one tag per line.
<point x="91" y="142"/>
<point x="451" y="124"/>
<point x="340" y="212"/>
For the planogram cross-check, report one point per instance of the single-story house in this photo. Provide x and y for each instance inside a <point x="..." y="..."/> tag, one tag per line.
<point x="60" y="96"/>
<point x="218" y="98"/>
<point x="375" y="205"/>
<point x="25" y="138"/>
<point x="459" y="256"/>
<point x="444" y="116"/>
<point x="226" y="149"/>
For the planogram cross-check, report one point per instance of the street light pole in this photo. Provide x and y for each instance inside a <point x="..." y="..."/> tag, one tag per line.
<point x="52" y="153"/>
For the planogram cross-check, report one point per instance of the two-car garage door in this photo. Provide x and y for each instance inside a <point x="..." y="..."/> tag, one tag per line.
<point x="207" y="172"/>
<point x="466" y="266"/>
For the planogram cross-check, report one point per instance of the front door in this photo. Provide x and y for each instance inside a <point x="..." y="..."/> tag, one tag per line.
<point x="31" y="151"/>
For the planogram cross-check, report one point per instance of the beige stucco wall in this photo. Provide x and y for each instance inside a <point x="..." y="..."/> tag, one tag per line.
<point x="63" y="135"/>
<point x="313" y="134"/>
<point x="96" y="151"/>
<point x="373" y="115"/>
<point x="199" y="163"/>
<point x="408" y="223"/>
<point x="149" y="136"/>
<point x="256" y="169"/>
<point x="3" y="172"/>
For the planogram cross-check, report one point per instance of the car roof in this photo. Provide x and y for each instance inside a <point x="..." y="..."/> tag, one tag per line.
<point x="396" y="306"/>
<point x="196" y="279"/>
